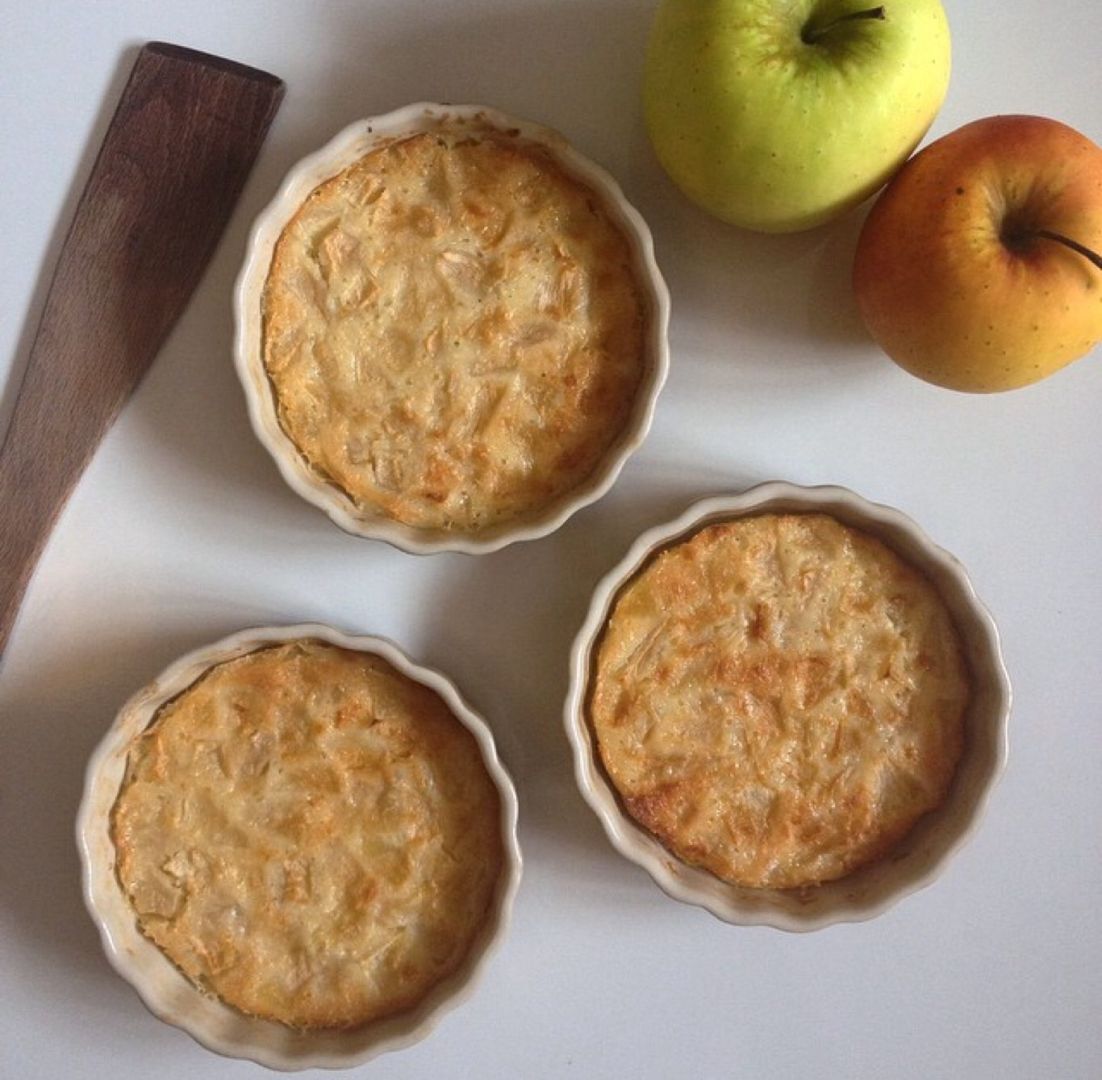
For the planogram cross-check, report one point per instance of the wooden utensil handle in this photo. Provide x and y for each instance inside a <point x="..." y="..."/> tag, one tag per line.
<point x="175" y="157"/>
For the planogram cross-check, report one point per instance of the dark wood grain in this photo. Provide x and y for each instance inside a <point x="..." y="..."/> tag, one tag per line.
<point x="175" y="157"/>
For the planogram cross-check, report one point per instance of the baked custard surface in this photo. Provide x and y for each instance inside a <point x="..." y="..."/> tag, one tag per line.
<point x="779" y="699"/>
<point x="309" y="835"/>
<point x="453" y="330"/>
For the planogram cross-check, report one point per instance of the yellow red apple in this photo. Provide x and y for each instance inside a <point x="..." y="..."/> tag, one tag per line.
<point x="980" y="266"/>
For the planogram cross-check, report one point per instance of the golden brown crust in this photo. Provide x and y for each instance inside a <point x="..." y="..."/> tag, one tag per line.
<point x="453" y="330"/>
<point x="310" y="835"/>
<point x="778" y="699"/>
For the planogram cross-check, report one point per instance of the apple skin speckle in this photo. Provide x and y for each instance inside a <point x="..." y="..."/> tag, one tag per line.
<point x="940" y="291"/>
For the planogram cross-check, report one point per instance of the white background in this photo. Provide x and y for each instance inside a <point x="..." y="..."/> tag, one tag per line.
<point x="181" y="531"/>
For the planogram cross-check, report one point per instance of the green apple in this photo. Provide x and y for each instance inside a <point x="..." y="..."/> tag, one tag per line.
<point x="980" y="266"/>
<point x="778" y="115"/>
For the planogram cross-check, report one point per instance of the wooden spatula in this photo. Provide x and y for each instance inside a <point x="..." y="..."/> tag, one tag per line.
<point x="176" y="155"/>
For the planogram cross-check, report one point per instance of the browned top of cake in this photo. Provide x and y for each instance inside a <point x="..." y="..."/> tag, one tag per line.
<point x="779" y="699"/>
<point x="310" y="835"/>
<point x="453" y="330"/>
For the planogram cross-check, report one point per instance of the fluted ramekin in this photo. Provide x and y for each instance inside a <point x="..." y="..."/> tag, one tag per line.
<point x="348" y="147"/>
<point x="162" y="987"/>
<point x="923" y="854"/>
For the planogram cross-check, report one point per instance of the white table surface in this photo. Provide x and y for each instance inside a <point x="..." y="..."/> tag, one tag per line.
<point x="182" y="531"/>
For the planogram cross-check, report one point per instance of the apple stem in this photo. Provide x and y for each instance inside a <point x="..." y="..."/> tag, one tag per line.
<point x="812" y="35"/>
<point x="1075" y="246"/>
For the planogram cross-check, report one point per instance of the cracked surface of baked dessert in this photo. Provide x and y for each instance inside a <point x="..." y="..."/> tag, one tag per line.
<point x="779" y="699"/>
<point x="310" y="835"/>
<point x="453" y="330"/>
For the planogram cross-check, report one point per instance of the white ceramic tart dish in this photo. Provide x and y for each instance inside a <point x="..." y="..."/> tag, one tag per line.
<point x="283" y="894"/>
<point x="850" y="729"/>
<point x="451" y="329"/>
